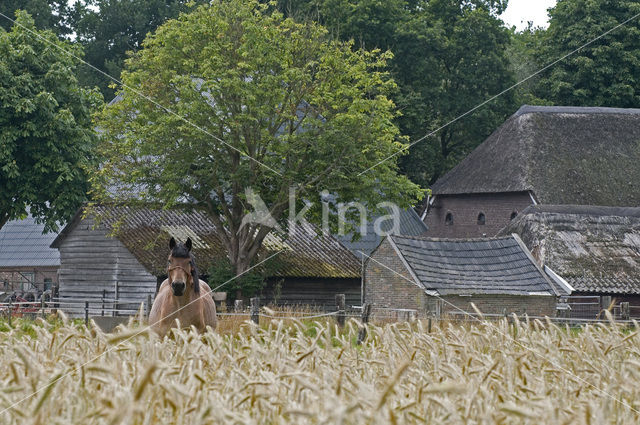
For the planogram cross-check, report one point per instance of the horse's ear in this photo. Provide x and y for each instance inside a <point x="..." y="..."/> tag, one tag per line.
<point x="172" y="243"/>
<point x="188" y="244"/>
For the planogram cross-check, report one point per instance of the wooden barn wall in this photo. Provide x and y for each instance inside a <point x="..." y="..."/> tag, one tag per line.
<point x="314" y="292"/>
<point x="91" y="261"/>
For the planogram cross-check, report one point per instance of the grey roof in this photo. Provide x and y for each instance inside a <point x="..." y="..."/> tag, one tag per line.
<point x="145" y="232"/>
<point x="409" y="224"/>
<point x="595" y="249"/>
<point x="474" y="266"/>
<point x="565" y="155"/>
<point x="22" y="244"/>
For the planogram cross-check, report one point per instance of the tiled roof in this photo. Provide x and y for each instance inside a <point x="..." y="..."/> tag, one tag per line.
<point x="22" y="244"/>
<point x="146" y="232"/>
<point x="473" y="266"/>
<point x="595" y="249"/>
<point x="409" y="225"/>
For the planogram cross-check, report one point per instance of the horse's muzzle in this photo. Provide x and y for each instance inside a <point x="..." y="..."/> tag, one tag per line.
<point x="178" y="288"/>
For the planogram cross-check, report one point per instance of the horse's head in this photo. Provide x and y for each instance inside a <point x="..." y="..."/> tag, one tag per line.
<point x="181" y="268"/>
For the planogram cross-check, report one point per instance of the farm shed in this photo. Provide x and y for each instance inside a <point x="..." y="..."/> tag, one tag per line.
<point x="540" y="155"/>
<point x="127" y="247"/>
<point x="444" y="276"/>
<point x="595" y="249"/>
<point x="27" y="263"/>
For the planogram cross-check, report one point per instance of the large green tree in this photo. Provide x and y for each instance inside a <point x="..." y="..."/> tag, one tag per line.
<point x="108" y="29"/>
<point x="46" y="14"/>
<point x="271" y="104"/>
<point x="606" y="72"/>
<point x="449" y="56"/>
<point x="46" y="132"/>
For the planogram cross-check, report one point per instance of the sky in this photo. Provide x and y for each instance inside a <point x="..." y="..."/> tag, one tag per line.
<point x="519" y="12"/>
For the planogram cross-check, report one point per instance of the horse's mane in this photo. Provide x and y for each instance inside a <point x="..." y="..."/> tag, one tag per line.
<point x="181" y="251"/>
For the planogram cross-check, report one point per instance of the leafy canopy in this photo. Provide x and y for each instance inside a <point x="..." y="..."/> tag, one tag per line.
<point x="46" y="134"/>
<point x="449" y="56"/>
<point x="108" y="29"/>
<point x="292" y="107"/>
<point x="605" y="73"/>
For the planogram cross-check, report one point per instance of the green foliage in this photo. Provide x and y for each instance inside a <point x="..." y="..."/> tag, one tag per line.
<point x="47" y="14"/>
<point x="449" y="56"/>
<point x="605" y="73"/>
<point x="46" y="132"/>
<point x="108" y="29"/>
<point x="249" y="284"/>
<point x="292" y="107"/>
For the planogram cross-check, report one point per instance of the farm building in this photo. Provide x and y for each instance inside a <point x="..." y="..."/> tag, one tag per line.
<point x="595" y="249"/>
<point x="126" y="248"/>
<point x="27" y="263"/>
<point x="444" y="276"/>
<point x="540" y="155"/>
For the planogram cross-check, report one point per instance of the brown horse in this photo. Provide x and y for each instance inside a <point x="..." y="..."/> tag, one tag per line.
<point x="182" y="295"/>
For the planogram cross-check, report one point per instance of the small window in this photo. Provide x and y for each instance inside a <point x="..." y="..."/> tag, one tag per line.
<point x="514" y="215"/>
<point x="481" y="219"/>
<point x="448" y="219"/>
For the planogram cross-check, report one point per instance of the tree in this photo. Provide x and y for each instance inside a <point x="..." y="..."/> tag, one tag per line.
<point x="46" y="134"/>
<point x="449" y="56"/>
<point x="108" y="29"/>
<point x="271" y="104"/>
<point x="46" y="14"/>
<point x="604" y="73"/>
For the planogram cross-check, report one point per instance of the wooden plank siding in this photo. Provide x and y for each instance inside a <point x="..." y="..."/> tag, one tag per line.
<point x="92" y="262"/>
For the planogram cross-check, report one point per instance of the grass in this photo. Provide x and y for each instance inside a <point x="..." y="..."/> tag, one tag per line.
<point x="308" y="372"/>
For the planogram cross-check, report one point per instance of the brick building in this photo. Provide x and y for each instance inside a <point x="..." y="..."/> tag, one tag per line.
<point x="540" y="155"/>
<point x="444" y="276"/>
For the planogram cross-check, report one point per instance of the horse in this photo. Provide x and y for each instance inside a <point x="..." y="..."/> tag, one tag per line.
<point x="182" y="295"/>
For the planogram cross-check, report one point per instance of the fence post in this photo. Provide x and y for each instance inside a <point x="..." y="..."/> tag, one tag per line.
<point x="340" y="305"/>
<point x="362" y="333"/>
<point x="429" y="324"/>
<point x="104" y="295"/>
<point x="10" y="311"/>
<point x="624" y="311"/>
<point x="42" y="305"/>
<point x="55" y="295"/>
<point x="148" y="306"/>
<point x="86" y="313"/>
<point x="237" y="306"/>
<point x="255" y="310"/>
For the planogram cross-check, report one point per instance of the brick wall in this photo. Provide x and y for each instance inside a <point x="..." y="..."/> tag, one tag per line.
<point x="497" y="208"/>
<point x="533" y="305"/>
<point x="395" y="289"/>
<point x="385" y="289"/>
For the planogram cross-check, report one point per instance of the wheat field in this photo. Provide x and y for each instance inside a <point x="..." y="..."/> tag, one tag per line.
<point x="312" y="373"/>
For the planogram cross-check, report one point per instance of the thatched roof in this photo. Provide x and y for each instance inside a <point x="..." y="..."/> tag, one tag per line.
<point x="473" y="266"/>
<point x="565" y="155"/>
<point x="146" y="232"/>
<point x="596" y="249"/>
